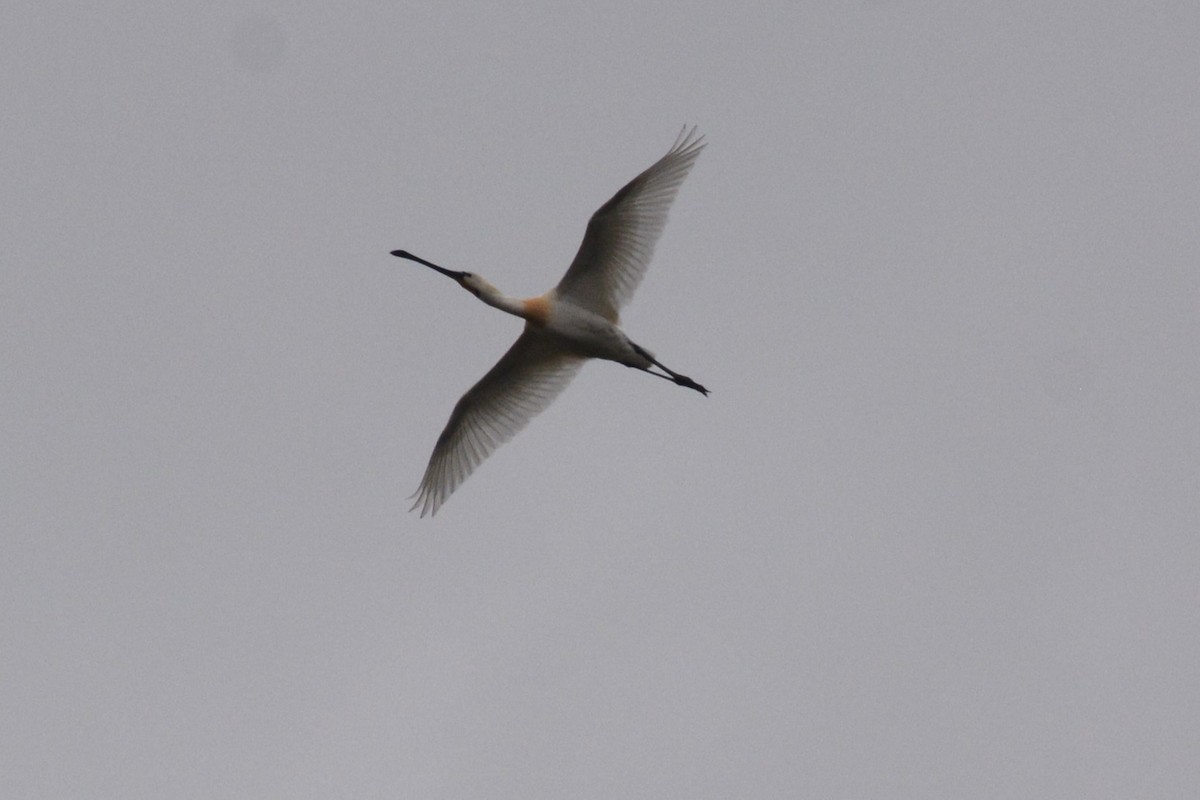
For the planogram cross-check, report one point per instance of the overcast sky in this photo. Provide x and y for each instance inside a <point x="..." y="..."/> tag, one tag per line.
<point x="935" y="533"/>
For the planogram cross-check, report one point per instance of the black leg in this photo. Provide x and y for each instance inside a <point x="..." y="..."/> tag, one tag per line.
<point x="681" y="380"/>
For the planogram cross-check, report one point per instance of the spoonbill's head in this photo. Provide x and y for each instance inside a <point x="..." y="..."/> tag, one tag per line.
<point x="476" y="285"/>
<point x="468" y="280"/>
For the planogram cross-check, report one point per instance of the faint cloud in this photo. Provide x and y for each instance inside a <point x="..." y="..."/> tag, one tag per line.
<point x="257" y="43"/>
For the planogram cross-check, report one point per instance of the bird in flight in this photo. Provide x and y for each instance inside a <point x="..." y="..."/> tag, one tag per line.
<point x="574" y="321"/>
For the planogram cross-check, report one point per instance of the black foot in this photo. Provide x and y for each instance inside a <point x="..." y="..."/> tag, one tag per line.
<point x="684" y="380"/>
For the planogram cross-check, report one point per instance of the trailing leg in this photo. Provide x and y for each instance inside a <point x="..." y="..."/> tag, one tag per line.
<point x="672" y="375"/>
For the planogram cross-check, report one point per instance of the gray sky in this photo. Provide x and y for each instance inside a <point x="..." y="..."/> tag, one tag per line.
<point x="934" y="534"/>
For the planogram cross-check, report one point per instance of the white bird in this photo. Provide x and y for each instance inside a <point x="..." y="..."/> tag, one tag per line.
<point x="574" y="321"/>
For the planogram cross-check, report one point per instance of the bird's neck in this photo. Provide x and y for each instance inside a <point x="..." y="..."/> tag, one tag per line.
<point x="497" y="299"/>
<point x="532" y="309"/>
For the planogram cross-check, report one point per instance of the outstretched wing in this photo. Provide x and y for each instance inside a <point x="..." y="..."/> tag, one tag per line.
<point x="620" y="237"/>
<point x="524" y="381"/>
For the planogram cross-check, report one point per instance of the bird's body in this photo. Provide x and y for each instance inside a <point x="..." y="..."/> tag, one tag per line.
<point x="575" y="321"/>
<point x="582" y="332"/>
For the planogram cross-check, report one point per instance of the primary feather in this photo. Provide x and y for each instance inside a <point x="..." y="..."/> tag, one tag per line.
<point x="523" y="382"/>
<point x="621" y="235"/>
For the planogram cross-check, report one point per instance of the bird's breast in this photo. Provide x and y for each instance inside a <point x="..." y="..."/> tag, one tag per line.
<point x="536" y="310"/>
